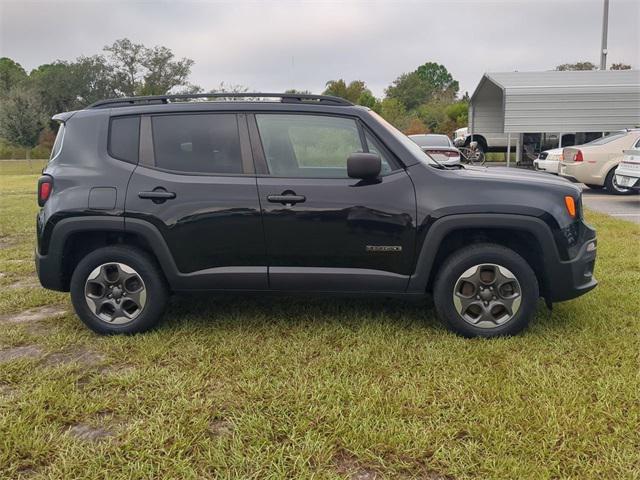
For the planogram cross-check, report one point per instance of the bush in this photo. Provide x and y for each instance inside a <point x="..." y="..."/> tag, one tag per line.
<point x="9" y="151"/>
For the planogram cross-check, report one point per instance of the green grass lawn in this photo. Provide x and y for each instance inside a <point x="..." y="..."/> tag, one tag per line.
<point x="236" y="387"/>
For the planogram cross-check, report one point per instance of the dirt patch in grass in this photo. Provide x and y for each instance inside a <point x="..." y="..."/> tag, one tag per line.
<point x="26" y="282"/>
<point x="88" y="433"/>
<point x="16" y="353"/>
<point x="102" y="426"/>
<point x="81" y="355"/>
<point x="7" y="392"/>
<point x="41" y="328"/>
<point x="34" y="314"/>
<point x="7" y="242"/>
<point x="220" y="427"/>
<point x="346" y="463"/>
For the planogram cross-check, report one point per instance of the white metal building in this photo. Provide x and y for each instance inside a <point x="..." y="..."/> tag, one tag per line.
<point x="542" y="102"/>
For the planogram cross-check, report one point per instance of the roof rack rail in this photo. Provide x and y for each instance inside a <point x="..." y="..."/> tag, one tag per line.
<point x="165" y="99"/>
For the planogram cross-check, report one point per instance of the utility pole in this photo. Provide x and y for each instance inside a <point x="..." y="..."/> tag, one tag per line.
<point x="605" y="30"/>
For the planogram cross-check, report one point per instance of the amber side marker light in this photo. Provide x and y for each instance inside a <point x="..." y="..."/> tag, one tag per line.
<point x="571" y="205"/>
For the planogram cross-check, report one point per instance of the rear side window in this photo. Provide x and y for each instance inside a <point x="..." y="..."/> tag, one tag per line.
<point x="123" y="138"/>
<point x="205" y="143"/>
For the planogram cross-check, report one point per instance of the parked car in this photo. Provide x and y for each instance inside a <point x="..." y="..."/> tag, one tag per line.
<point x="628" y="172"/>
<point x="595" y="163"/>
<point x="145" y="196"/>
<point x="549" y="161"/>
<point x="440" y="147"/>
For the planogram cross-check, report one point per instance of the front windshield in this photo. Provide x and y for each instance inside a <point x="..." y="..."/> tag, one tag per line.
<point x="410" y="145"/>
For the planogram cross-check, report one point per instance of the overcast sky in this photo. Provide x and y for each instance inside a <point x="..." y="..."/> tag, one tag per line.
<point x="275" y="45"/>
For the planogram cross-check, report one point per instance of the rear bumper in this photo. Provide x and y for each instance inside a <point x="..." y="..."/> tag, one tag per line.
<point x="627" y="179"/>
<point x="572" y="278"/>
<point x="49" y="272"/>
<point x="580" y="172"/>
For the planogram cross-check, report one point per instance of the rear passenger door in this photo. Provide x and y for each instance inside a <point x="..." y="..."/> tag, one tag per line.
<point x="195" y="183"/>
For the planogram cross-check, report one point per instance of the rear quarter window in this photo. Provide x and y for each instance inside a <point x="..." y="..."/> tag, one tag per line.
<point x="57" y="145"/>
<point x="124" y="135"/>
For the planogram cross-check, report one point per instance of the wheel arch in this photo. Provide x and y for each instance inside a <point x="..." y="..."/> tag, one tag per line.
<point x="528" y="236"/>
<point x="73" y="238"/>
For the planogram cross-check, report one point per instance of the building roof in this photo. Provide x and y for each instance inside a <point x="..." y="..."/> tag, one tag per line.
<point x="572" y="101"/>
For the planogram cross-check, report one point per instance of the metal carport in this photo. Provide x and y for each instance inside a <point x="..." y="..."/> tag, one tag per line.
<point x="544" y="102"/>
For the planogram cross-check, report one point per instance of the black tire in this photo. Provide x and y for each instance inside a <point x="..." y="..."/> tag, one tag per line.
<point x="451" y="271"/>
<point x="153" y="283"/>
<point x="610" y="184"/>
<point x="594" y="187"/>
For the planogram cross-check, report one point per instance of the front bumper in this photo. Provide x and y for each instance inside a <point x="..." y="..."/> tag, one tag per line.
<point x="572" y="278"/>
<point x="551" y="166"/>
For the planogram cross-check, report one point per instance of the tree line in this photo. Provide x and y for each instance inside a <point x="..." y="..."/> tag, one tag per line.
<point x="422" y="101"/>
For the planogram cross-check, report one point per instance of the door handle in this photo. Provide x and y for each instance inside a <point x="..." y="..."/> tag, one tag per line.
<point x="286" y="199"/>
<point x="157" y="195"/>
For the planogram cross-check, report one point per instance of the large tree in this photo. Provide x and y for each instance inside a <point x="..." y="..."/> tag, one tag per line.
<point x="65" y="86"/>
<point x="441" y="84"/>
<point x="163" y="71"/>
<point x="21" y="118"/>
<point x="356" y="91"/>
<point x="138" y="70"/>
<point x="11" y="74"/>
<point x="428" y="82"/>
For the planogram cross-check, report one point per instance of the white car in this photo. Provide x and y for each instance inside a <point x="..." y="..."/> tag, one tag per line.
<point x="595" y="163"/>
<point x="549" y="161"/>
<point x="628" y="172"/>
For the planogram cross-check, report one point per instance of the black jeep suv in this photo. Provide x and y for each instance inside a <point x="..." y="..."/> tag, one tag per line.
<point x="145" y="196"/>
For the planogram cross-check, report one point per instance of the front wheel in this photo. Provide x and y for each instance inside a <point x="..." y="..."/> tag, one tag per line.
<point x="613" y="187"/>
<point x="118" y="290"/>
<point x="486" y="290"/>
<point x="594" y="187"/>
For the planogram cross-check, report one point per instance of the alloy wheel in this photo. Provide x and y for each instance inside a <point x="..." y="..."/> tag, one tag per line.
<point x="115" y="293"/>
<point x="487" y="295"/>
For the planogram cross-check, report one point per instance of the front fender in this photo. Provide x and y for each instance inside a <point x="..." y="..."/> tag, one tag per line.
<point x="445" y="225"/>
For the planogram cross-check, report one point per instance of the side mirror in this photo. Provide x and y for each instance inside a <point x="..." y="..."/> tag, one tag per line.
<point x="366" y="166"/>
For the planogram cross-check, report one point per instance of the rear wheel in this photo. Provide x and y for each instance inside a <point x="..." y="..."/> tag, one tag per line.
<point x="485" y="291"/>
<point x="118" y="290"/>
<point x="612" y="186"/>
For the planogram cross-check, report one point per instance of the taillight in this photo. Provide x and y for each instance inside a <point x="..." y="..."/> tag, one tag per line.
<point x="578" y="157"/>
<point x="45" y="187"/>
<point x="446" y="153"/>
